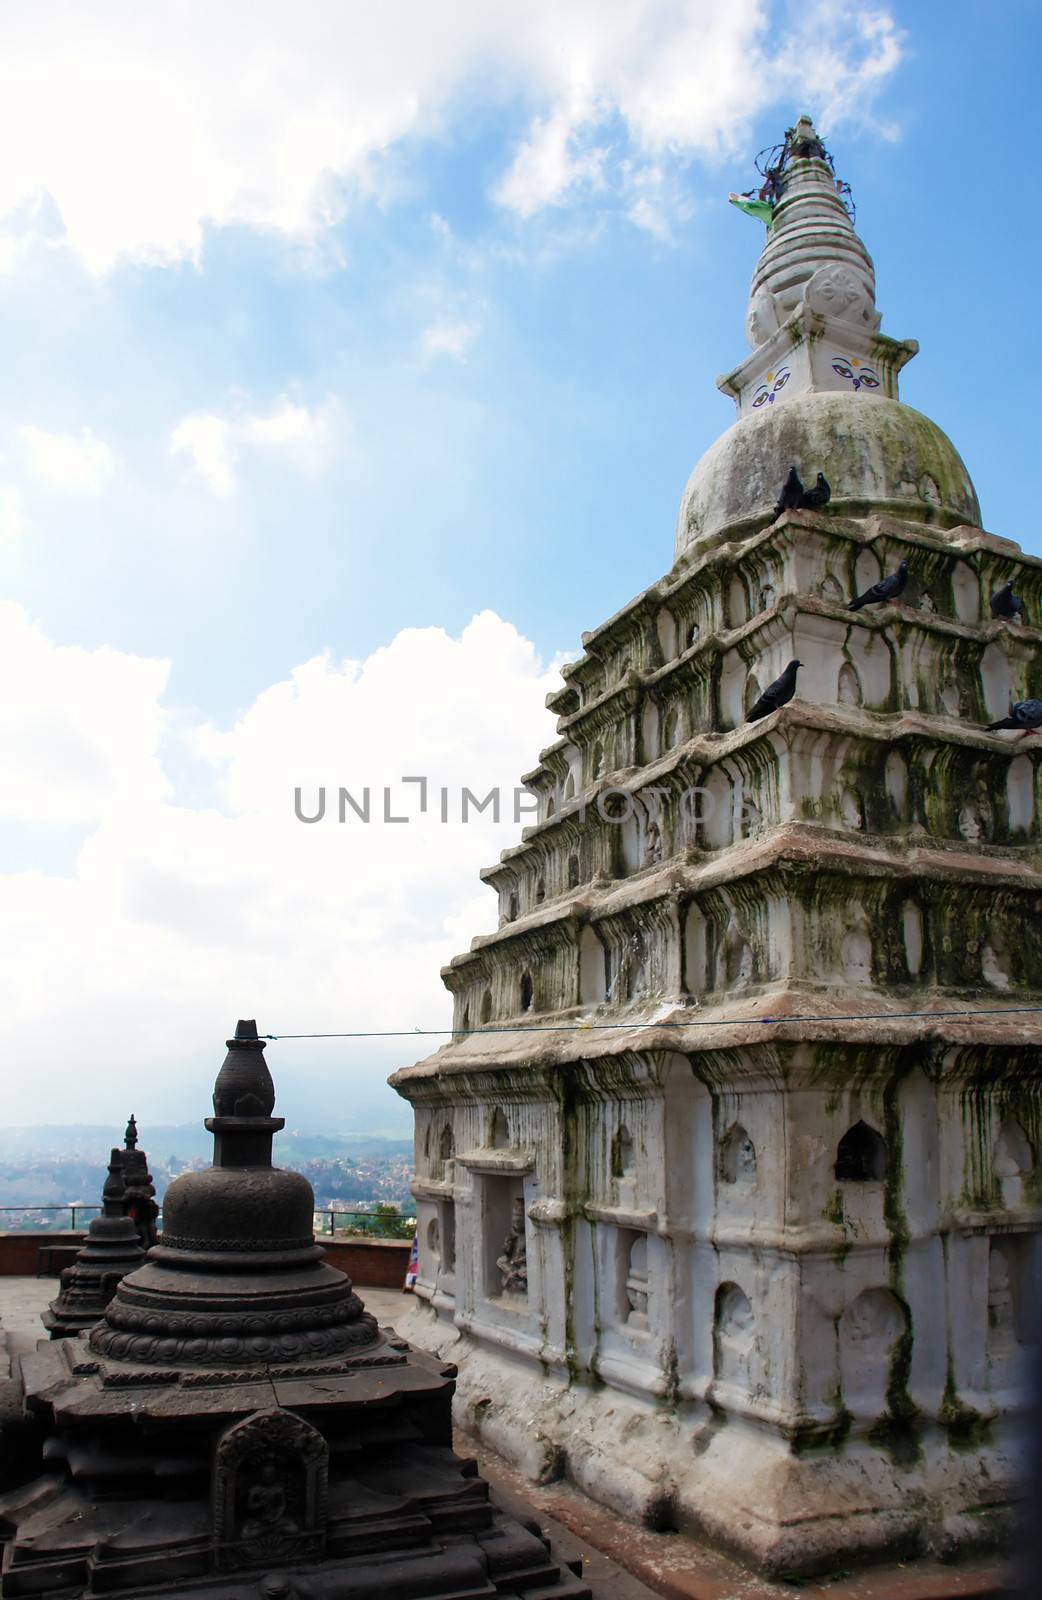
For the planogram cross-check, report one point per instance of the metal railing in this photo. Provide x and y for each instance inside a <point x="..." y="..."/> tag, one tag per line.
<point x="377" y="1224"/>
<point x="71" y="1206"/>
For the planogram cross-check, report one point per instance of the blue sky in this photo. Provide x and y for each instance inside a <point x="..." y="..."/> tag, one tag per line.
<point x="328" y="330"/>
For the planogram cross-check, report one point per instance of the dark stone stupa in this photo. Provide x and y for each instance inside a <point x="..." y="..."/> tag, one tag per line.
<point x="111" y="1250"/>
<point x="237" y="1425"/>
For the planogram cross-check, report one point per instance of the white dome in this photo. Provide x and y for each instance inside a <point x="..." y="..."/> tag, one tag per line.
<point x="877" y="454"/>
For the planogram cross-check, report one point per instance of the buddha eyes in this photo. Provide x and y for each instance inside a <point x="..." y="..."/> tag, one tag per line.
<point x="861" y="377"/>
<point x="766" y="392"/>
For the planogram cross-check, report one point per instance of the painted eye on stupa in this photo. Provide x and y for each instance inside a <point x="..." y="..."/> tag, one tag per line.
<point x="868" y="379"/>
<point x="842" y="368"/>
<point x="766" y="392"/>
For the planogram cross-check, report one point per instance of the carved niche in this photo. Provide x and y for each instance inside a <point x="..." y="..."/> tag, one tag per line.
<point x="269" y="1488"/>
<point x="513" y="1263"/>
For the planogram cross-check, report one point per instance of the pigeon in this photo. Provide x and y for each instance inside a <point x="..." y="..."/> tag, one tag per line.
<point x="820" y="495"/>
<point x="776" y="694"/>
<point x="794" y="497"/>
<point x="791" y="497"/>
<point x="1004" y="603"/>
<point x="1025" y="715"/>
<point x="887" y="588"/>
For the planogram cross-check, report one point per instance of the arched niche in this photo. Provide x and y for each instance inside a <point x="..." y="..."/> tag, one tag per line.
<point x="540" y="889"/>
<point x="597" y="760"/>
<point x="499" y="1131"/>
<point x="513" y="906"/>
<point x="733" y="1332"/>
<point x="965" y="592"/>
<point x="995" y="963"/>
<point x="527" y="992"/>
<point x="1010" y="1294"/>
<point x="1012" y="1161"/>
<point x="736" y="960"/>
<point x="869" y="1331"/>
<point x="623" y="1154"/>
<point x="1020" y="794"/>
<point x="666" y="632"/>
<point x="695" y="951"/>
<point x="671" y="730"/>
<point x="896" y="780"/>
<point x="486" y="1007"/>
<point x="751" y="693"/>
<point x="569" y="786"/>
<point x="446" y="1147"/>
<point x="995" y="680"/>
<point x="848" y="689"/>
<point x="737" y="1156"/>
<point x="1014" y="1157"/>
<point x="593" y="971"/>
<point x="912" y="929"/>
<point x="649" y="725"/>
<point x="861" y="1155"/>
<point x="434" y="1238"/>
<point x="856" y="955"/>
<point x="852" y="809"/>
<point x="573" y="871"/>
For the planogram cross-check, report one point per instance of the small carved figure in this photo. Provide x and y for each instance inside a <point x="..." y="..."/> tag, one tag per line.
<point x="653" y="847"/>
<point x="513" y="1263"/>
<point x="266" y="1504"/>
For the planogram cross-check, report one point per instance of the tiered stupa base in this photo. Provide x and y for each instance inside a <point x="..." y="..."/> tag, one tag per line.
<point x="237" y="1425"/>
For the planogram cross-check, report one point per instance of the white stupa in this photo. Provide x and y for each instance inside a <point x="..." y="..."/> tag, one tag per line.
<point x="729" y="1186"/>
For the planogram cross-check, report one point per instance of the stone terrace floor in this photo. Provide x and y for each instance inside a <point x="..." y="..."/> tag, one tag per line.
<point x="620" y="1562"/>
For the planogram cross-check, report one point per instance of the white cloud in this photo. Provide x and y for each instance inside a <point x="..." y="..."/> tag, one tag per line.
<point x="12" y="518"/>
<point x="306" y="437"/>
<point x="79" y="729"/>
<point x="78" y="463"/>
<point x="206" y="439"/>
<point x="177" y="919"/>
<point x="144" y="124"/>
<point x="448" y="338"/>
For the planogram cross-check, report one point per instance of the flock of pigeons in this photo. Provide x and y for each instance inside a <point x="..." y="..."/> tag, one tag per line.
<point x="1025" y="715"/>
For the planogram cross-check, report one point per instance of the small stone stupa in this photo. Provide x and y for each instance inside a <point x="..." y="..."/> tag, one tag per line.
<point x="111" y="1250"/>
<point x="768" y="1283"/>
<point x="237" y="1425"/>
<point x="139" y="1190"/>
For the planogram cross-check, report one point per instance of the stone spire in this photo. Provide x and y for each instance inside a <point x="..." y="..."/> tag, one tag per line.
<point x="812" y="318"/>
<point x="112" y="1249"/>
<point x="820" y="389"/>
<point x="139" y="1202"/>
<point x="812" y="256"/>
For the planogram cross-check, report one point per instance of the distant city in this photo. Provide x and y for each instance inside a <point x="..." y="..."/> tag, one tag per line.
<point x="47" y="1171"/>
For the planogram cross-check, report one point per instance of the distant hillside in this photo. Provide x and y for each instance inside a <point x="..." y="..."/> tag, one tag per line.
<point x="190" y="1141"/>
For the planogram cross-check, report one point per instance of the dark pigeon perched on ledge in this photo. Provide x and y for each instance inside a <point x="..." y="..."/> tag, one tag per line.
<point x="1024" y="715"/>
<point x="888" y="588"/>
<point x="1006" y="604"/>
<point x="776" y="694"/>
<point x="794" y="497"/>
